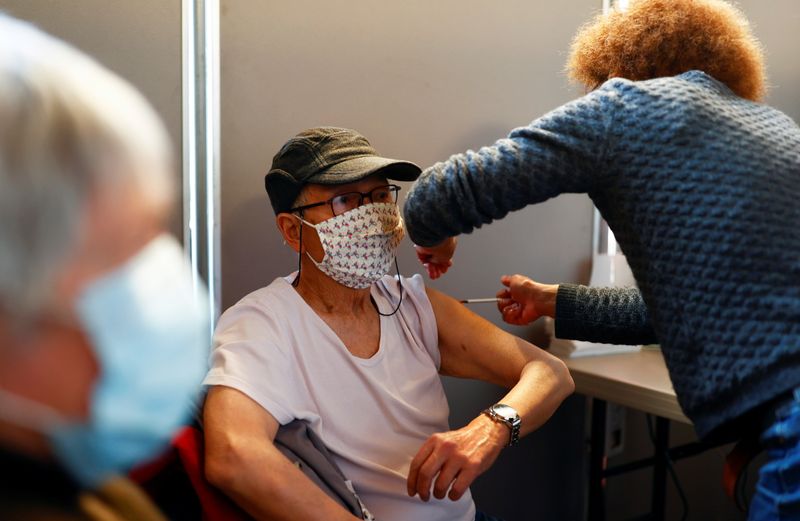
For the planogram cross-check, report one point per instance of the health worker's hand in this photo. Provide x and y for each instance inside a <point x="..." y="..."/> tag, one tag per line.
<point x="524" y="300"/>
<point x="452" y="460"/>
<point x="437" y="259"/>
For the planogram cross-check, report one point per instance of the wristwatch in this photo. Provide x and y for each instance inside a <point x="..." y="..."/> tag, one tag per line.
<point x="503" y="413"/>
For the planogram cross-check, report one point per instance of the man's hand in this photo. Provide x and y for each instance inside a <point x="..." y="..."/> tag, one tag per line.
<point x="437" y="259"/>
<point x="524" y="300"/>
<point x="458" y="457"/>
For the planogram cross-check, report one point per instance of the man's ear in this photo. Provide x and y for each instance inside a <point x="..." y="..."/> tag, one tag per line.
<point x="289" y="226"/>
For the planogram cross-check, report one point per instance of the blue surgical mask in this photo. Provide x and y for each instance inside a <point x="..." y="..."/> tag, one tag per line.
<point x="150" y="338"/>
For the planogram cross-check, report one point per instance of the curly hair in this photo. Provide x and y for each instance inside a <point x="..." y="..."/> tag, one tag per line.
<point x="657" y="38"/>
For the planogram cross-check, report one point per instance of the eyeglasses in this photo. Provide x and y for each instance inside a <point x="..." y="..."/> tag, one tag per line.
<point x="342" y="203"/>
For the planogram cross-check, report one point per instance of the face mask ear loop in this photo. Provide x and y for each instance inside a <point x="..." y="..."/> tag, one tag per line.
<point x="296" y="280"/>
<point x="399" y="282"/>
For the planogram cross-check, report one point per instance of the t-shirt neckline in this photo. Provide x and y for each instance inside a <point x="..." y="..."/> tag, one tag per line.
<point x="306" y="308"/>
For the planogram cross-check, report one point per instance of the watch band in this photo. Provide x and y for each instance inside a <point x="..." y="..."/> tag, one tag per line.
<point x="507" y="415"/>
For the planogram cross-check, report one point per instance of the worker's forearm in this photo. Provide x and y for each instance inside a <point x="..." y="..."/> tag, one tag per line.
<point x="608" y="315"/>
<point x="549" y="299"/>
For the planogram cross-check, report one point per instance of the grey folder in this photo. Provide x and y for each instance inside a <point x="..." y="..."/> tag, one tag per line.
<point x="303" y="447"/>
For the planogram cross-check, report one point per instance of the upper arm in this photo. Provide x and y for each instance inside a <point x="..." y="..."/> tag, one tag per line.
<point x="239" y="437"/>
<point x="234" y="424"/>
<point x="253" y="355"/>
<point x="473" y="347"/>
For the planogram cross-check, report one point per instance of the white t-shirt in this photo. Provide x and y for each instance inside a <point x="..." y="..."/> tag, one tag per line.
<point x="373" y="414"/>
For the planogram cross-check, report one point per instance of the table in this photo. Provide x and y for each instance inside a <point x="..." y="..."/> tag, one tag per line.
<point x="637" y="380"/>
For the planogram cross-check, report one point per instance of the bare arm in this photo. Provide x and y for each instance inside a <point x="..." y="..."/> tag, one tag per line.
<point x="242" y="460"/>
<point x="472" y="347"/>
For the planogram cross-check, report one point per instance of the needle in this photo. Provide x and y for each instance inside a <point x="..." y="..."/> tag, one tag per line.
<point x="478" y="300"/>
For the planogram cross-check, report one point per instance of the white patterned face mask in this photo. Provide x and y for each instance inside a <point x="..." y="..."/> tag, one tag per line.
<point x="359" y="245"/>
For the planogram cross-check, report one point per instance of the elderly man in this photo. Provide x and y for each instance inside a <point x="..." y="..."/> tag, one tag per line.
<point x="102" y="347"/>
<point x="357" y="354"/>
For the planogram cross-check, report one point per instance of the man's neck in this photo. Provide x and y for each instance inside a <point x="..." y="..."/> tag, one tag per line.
<point x="327" y="296"/>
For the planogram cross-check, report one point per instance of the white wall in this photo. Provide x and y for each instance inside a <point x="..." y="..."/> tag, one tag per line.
<point x="140" y="41"/>
<point x="777" y="25"/>
<point x="421" y="80"/>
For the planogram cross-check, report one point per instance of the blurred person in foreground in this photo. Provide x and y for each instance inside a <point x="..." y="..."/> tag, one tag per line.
<point x="102" y="341"/>
<point x="357" y="354"/>
<point x="699" y="182"/>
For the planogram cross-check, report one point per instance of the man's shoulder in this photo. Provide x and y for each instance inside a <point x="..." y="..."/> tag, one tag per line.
<point x="260" y="324"/>
<point x="391" y="287"/>
<point x="416" y="309"/>
<point x="268" y="296"/>
<point x="392" y="283"/>
<point x="264" y="304"/>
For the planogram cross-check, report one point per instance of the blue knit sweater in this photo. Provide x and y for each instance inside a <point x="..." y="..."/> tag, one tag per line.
<point x="702" y="191"/>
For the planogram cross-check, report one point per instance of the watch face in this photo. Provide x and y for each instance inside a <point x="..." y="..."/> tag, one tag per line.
<point x="505" y="412"/>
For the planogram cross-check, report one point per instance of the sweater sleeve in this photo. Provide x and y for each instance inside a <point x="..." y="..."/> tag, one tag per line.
<point x="606" y="315"/>
<point x="563" y="151"/>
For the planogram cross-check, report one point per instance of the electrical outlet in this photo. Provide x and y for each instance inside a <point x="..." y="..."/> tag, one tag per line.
<point x="615" y="429"/>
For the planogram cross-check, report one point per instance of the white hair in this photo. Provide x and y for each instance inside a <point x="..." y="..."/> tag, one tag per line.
<point x="68" y="128"/>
